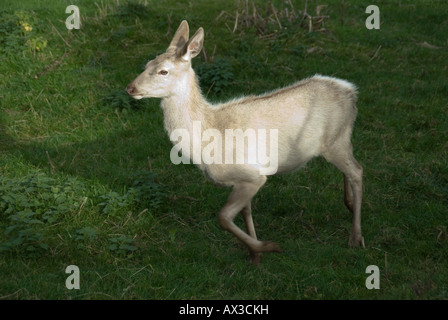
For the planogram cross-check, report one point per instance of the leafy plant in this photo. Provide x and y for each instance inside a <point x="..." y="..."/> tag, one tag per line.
<point x="148" y="192"/>
<point x="17" y="31"/>
<point x="121" y="244"/>
<point x="85" y="235"/>
<point x="31" y="202"/>
<point x="216" y="76"/>
<point x="10" y="33"/>
<point x="22" y="233"/>
<point x="144" y="192"/>
<point x="113" y="202"/>
<point x="132" y="9"/>
<point x="119" y="99"/>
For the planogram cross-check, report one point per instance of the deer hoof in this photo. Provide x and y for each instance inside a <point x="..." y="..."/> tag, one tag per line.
<point x="269" y="246"/>
<point x="255" y="258"/>
<point x="356" y="241"/>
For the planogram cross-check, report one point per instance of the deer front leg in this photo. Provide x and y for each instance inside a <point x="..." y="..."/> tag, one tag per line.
<point x="241" y="195"/>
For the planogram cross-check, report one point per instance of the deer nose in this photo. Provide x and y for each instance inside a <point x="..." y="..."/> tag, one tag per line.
<point x="130" y="89"/>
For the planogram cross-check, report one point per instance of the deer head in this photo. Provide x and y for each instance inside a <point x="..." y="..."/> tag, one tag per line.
<point x="165" y="73"/>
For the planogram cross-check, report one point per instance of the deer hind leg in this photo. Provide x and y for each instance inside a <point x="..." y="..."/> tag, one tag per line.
<point x="239" y="200"/>
<point x="341" y="155"/>
<point x="348" y="194"/>
<point x="255" y="257"/>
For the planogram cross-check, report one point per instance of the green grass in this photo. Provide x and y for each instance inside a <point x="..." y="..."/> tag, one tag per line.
<point x="85" y="175"/>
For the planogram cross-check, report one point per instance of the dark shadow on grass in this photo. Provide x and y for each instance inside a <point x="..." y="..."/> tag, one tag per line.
<point x="6" y="141"/>
<point x="111" y="159"/>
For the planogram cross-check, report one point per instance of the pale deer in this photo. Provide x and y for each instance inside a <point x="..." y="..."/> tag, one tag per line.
<point x="313" y="117"/>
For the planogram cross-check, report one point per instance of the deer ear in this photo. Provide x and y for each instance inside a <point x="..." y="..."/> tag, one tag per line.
<point x="180" y="37"/>
<point x="194" y="46"/>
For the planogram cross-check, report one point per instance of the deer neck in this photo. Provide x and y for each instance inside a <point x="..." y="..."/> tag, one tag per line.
<point x="185" y="105"/>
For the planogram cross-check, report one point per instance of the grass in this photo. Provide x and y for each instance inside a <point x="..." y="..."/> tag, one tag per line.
<point x="85" y="176"/>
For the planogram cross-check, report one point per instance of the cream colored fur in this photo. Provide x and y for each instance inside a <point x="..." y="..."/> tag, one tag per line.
<point x="313" y="117"/>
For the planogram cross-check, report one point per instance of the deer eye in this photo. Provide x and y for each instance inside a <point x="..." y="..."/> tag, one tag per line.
<point x="162" y="73"/>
